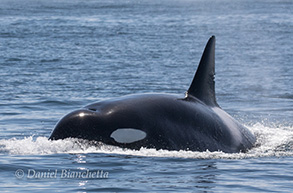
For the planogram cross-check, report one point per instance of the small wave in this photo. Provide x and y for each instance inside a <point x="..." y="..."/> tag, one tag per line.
<point x="55" y="102"/>
<point x="48" y="102"/>
<point x="283" y="96"/>
<point x="50" y="60"/>
<point x="271" y="142"/>
<point x="13" y="60"/>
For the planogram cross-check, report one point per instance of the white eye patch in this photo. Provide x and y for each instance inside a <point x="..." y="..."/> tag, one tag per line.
<point x="128" y="135"/>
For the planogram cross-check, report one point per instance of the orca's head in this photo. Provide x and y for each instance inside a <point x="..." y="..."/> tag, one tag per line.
<point x="91" y="125"/>
<point x="81" y="123"/>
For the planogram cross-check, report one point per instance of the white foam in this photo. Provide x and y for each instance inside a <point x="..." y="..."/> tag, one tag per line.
<point x="273" y="141"/>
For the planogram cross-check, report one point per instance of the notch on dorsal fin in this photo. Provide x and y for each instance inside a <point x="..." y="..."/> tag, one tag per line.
<point x="203" y="84"/>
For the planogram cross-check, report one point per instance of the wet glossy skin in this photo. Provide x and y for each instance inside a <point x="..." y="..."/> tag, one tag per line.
<point x="194" y="122"/>
<point x="170" y="122"/>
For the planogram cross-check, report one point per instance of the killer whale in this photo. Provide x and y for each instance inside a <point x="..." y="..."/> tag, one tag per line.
<point x="193" y="121"/>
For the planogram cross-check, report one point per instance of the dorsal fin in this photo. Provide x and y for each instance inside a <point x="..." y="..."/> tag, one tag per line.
<point x="203" y="84"/>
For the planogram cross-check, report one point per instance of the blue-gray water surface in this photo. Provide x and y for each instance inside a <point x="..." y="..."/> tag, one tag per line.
<point x="57" y="56"/>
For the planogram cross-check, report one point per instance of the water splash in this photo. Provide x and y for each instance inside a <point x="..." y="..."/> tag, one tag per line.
<point x="276" y="141"/>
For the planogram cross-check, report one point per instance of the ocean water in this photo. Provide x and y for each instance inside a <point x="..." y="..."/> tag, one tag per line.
<point x="57" y="56"/>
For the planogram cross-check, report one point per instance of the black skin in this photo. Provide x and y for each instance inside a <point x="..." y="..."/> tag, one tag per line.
<point x="194" y="122"/>
<point x="171" y="123"/>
